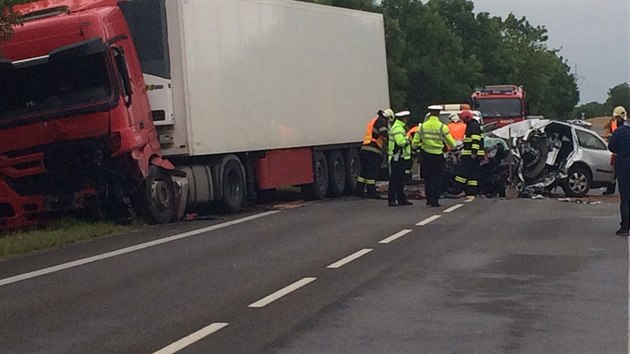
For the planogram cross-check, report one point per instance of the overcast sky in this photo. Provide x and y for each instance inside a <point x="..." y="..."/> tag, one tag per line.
<point x="593" y="35"/>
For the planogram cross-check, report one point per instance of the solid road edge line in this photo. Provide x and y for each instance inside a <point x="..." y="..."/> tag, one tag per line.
<point x="282" y="292"/>
<point x="428" y="220"/>
<point x="92" y="259"/>
<point x="191" y="338"/>
<point x="395" y="236"/>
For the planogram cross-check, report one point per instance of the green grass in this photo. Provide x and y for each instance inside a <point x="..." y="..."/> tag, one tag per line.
<point x="54" y="235"/>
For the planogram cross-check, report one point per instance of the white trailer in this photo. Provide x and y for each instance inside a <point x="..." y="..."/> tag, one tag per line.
<point x="251" y="95"/>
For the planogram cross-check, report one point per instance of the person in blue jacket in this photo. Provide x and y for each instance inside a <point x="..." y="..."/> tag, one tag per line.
<point x="619" y="143"/>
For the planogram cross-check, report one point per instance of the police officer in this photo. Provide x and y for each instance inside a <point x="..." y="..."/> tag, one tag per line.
<point x="371" y="154"/>
<point x="619" y="115"/>
<point x="399" y="155"/>
<point x="431" y="138"/>
<point x="619" y="143"/>
<point x="467" y="177"/>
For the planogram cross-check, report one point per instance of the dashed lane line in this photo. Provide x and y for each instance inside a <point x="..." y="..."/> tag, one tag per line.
<point x="191" y="338"/>
<point x="282" y="292"/>
<point x="130" y="249"/>
<point x="340" y="263"/>
<point x="453" y="208"/>
<point x="395" y="236"/>
<point x="428" y="220"/>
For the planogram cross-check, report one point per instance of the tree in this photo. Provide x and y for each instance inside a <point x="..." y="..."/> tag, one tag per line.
<point x="8" y="18"/>
<point x="618" y="96"/>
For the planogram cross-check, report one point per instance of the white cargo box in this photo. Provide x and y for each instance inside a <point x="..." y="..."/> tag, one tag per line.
<point x="249" y="75"/>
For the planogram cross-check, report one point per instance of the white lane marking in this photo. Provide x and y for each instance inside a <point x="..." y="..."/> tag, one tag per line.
<point x="453" y="208"/>
<point x="395" y="236"/>
<point x="340" y="263"/>
<point x="428" y="220"/>
<point x="191" y="338"/>
<point x="282" y="292"/>
<point x="130" y="249"/>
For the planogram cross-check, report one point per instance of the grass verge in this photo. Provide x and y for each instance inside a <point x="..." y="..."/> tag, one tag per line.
<point x="56" y="234"/>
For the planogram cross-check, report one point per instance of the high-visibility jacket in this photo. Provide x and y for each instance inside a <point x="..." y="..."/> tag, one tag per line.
<point x="432" y="136"/>
<point x="375" y="134"/>
<point x="473" y="142"/>
<point x="458" y="130"/>
<point x="399" y="146"/>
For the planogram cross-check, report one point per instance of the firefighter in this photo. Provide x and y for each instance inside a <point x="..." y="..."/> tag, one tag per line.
<point x="431" y="138"/>
<point x="619" y="116"/>
<point x="399" y="156"/>
<point x="467" y="176"/>
<point x="457" y="127"/>
<point x="619" y="144"/>
<point x="371" y="154"/>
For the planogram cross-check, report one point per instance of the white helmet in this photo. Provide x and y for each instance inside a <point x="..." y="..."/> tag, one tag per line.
<point x="454" y="117"/>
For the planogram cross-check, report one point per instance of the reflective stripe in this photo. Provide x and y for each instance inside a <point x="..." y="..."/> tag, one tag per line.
<point x="481" y="153"/>
<point x="466" y="153"/>
<point x="472" y="182"/>
<point x="476" y="137"/>
<point x="360" y="179"/>
<point x="372" y="149"/>
<point x="370" y="181"/>
<point x="460" y="179"/>
<point x="467" y="140"/>
<point x="476" y="146"/>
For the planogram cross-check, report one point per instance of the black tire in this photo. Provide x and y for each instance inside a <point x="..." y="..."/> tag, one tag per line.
<point x="156" y="197"/>
<point x="317" y="190"/>
<point x="578" y="183"/>
<point x="337" y="177"/>
<point x="353" y="168"/>
<point x="233" y="185"/>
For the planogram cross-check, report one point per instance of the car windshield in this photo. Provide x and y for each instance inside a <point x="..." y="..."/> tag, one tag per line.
<point x="499" y="107"/>
<point x="76" y="76"/>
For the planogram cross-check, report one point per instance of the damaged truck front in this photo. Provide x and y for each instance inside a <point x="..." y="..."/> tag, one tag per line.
<point x="547" y="153"/>
<point x="73" y="130"/>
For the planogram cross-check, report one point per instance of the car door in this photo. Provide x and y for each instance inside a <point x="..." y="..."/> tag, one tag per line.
<point x="596" y="155"/>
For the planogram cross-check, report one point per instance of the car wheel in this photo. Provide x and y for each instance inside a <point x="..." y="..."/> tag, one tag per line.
<point x="578" y="183"/>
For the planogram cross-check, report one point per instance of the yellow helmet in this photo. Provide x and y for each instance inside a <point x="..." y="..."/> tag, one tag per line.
<point x="619" y="111"/>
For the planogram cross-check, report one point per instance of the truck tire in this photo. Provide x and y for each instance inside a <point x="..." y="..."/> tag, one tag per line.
<point x="337" y="178"/>
<point x="156" y="197"/>
<point x="353" y="168"/>
<point x="233" y="184"/>
<point x="317" y="190"/>
<point x="578" y="183"/>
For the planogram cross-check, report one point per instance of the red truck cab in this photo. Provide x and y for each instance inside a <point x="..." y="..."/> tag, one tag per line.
<point x="500" y="104"/>
<point x="75" y="122"/>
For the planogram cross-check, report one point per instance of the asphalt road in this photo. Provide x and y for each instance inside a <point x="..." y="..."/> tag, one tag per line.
<point x="343" y="276"/>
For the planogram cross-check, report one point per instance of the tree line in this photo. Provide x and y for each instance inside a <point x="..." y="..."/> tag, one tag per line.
<point x="439" y="51"/>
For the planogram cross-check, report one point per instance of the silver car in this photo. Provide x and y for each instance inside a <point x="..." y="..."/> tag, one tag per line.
<point x="555" y="153"/>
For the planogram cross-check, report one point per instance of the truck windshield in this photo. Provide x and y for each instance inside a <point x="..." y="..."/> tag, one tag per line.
<point x="65" y="80"/>
<point x="500" y="107"/>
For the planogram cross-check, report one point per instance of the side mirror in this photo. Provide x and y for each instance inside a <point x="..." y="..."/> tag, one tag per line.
<point x="123" y="71"/>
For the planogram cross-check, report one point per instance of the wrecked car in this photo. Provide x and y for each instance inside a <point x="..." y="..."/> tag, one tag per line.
<point x="548" y="153"/>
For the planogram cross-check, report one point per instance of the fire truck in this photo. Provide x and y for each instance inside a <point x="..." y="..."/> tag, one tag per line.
<point x="503" y="104"/>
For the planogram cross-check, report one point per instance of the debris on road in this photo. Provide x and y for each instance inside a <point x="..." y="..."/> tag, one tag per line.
<point x="579" y="201"/>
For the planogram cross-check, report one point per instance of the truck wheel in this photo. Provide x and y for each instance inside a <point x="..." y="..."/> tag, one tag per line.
<point x="353" y="168"/>
<point x="317" y="190"/>
<point x="578" y="183"/>
<point x="337" y="178"/>
<point x="157" y="197"/>
<point x="233" y="186"/>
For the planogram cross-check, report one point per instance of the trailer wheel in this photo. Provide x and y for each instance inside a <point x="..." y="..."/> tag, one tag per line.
<point x="156" y="197"/>
<point x="233" y="186"/>
<point x="317" y="190"/>
<point x="353" y="168"/>
<point x="337" y="178"/>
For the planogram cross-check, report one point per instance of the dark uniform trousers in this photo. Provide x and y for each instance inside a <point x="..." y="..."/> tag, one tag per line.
<point x="467" y="178"/>
<point x="370" y="167"/>
<point x="433" y="173"/>
<point x="624" y="192"/>
<point x="397" y="181"/>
